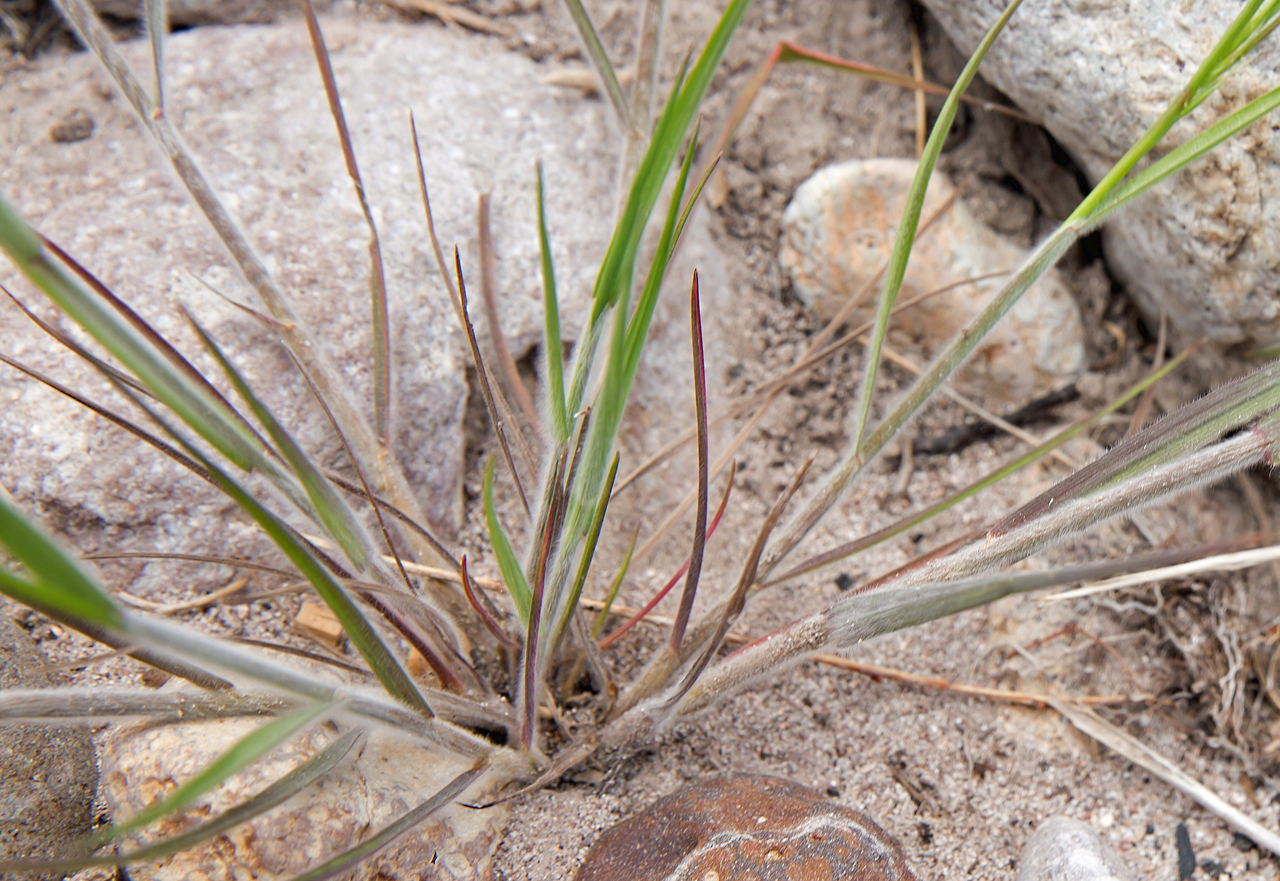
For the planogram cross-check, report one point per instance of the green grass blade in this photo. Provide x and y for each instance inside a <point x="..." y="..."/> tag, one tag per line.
<point x="141" y="326"/>
<point x="638" y="326"/>
<point x="512" y="574"/>
<point x="362" y="635"/>
<point x="325" y="504"/>
<point x="553" y="348"/>
<point x="197" y="409"/>
<point x="588" y="554"/>
<point x="600" y="61"/>
<point x="618" y="267"/>
<point x="911" y="521"/>
<point x="59" y="581"/>
<point x="253" y="746"/>
<point x="613" y="588"/>
<point x="902" y="245"/>
<point x="38" y="597"/>
<point x="1211" y="68"/>
<point x="1183" y="155"/>
<point x="388" y="834"/>
<point x="627" y="343"/>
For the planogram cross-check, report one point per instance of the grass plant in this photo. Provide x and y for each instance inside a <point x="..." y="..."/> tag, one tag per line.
<point x="378" y="597"/>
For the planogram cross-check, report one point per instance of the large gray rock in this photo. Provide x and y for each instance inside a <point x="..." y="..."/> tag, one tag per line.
<point x="48" y="775"/>
<point x="250" y="103"/>
<point x="1203" y="246"/>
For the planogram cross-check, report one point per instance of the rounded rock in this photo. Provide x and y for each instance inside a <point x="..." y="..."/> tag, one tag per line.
<point x="745" y="827"/>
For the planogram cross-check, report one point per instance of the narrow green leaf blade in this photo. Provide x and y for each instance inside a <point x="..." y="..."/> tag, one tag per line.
<point x="554" y="351"/>
<point x="512" y="574"/>
<point x="329" y="507"/>
<point x="241" y="755"/>
<point x="1183" y="155"/>
<point x="59" y="580"/>
<point x="301" y="777"/>
<point x="204" y="415"/>
<point x="588" y="553"/>
<point x="911" y="221"/>
<point x="362" y="635"/>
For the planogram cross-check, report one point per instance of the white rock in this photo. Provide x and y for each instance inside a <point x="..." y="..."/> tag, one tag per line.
<point x="1062" y="849"/>
<point x="839" y="230"/>
<point x="1203" y="245"/>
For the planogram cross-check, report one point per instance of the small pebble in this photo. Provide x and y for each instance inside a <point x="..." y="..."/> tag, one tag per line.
<point x="1062" y="849"/>
<point x="745" y="826"/>
<point x="75" y="126"/>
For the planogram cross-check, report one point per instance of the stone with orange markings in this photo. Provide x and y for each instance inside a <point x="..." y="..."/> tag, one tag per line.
<point x="745" y="828"/>
<point x="839" y="231"/>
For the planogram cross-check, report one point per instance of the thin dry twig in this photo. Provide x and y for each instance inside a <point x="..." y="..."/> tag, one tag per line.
<point x="1089" y="722"/>
<point x="453" y="14"/>
<point x="1026" y="698"/>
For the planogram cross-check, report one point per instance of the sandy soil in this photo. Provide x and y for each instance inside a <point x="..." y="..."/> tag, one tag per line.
<point x="960" y="782"/>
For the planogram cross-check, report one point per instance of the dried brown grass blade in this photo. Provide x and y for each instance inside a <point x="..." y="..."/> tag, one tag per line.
<point x="700" y="525"/>
<point x="489" y="294"/>
<point x="485" y="610"/>
<point x="486" y="389"/>
<point x="377" y="277"/>
<point x="138" y="323"/>
<point x="1089" y="722"/>
<point x="737" y="600"/>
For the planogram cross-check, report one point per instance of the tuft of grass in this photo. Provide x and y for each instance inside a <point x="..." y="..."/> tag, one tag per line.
<point x="445" y="612"/>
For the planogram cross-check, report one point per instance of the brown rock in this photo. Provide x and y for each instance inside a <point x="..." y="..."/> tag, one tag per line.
<point x="75" y="126"/>
<point x="745" y="827"/>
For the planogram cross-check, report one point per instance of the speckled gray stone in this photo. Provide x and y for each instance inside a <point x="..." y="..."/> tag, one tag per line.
<point x="1202" y="245"/>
